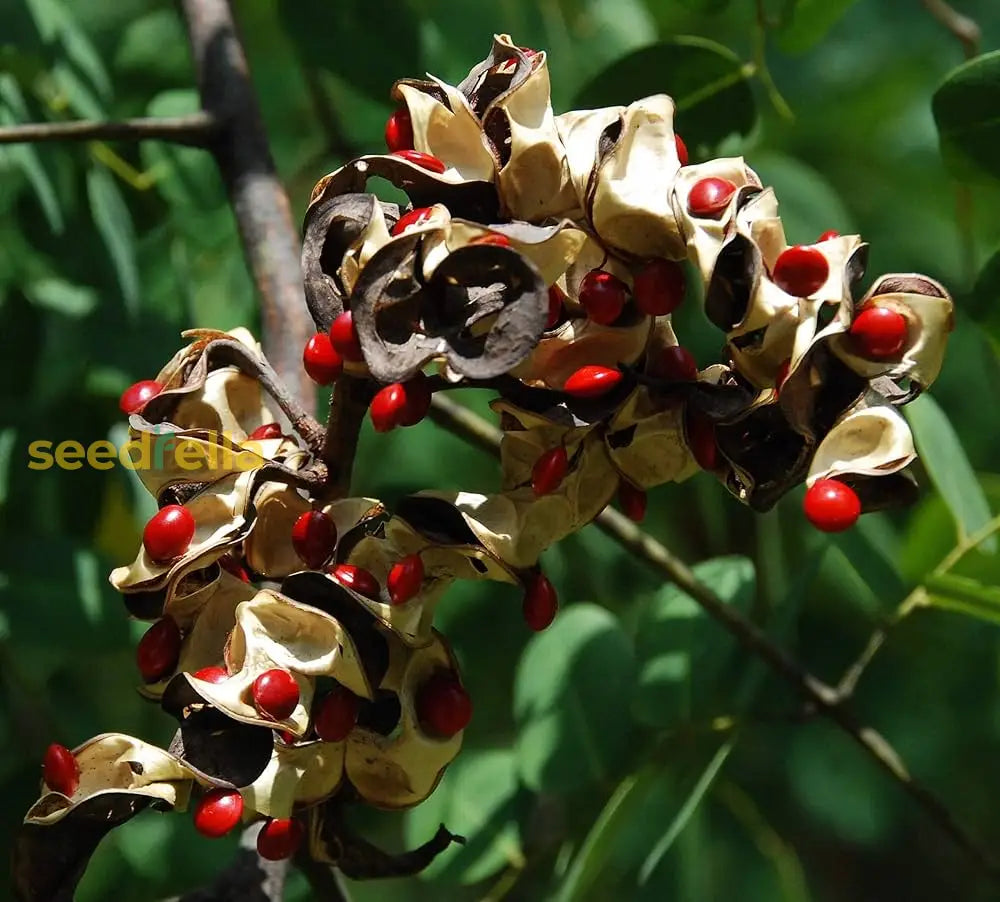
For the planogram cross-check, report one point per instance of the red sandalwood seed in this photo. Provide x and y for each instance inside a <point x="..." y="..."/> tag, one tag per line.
<point x="356" y="578"/>
<point x="218" y="811"/>
<point x="413" y="218"/>
<point x="659" y="287"/>
<point x="879" y="332"/>
<point x="405" y="579"/>
<point x="443" y="706"/>
<point x="279" y="838"/>
<point x="344" y="337"/>
<point x="399" y="131"/>
<point x="335" y="714"/>
<point x="549" y="471"/>
<point x="709" y="197"/>
<point x="320" y="359"/>
<point x="387" y="407"/>
<point x="831" y="505"/>
<point x="169" y="533"/>
<point x="540" y="603"/>
<point x="134" y="398"/>
<point x="800" y="271"/>
<point x="423" y="160"/>
<point x="603" y="296"/>
<point x="314" y="536"/>
<point x="158" y="650"/>
<point x="275" y="694"/>
<point x="60" y="771"/>
<point x="265" y="432"/>
<point x="592" y="381"/>
<point x="632" y="501"/>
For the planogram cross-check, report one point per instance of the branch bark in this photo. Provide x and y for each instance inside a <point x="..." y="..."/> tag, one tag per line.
<point x="195" y="130"/>
<point x="260" y="204"/>
<point x="965" y="29"/>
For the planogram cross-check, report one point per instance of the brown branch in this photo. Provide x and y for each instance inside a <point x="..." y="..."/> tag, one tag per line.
<point x="965" y="29"/>
<point x="195" y="130"/>
<point x="261" y="207"/>
<point x="824" y="698"/>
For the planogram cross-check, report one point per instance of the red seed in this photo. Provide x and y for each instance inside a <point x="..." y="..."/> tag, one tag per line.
<point x="158" y="650"/>
<point x="423" y="160"/>
<point x="418" y="400"/>
<point x="217" y="812"/>
<point x="387" y="407"/>
<point x="314" y="536"/>
<point x="356" y="578"/>
<point x="831" y="505"/>
<point x="879" y="331"/>
<point x="540" y="603"/>
<point x="556" y="298"/>
<point x="782" y="374"/>
<point x="399" y="131"/>
<point x="592" y="381"/>
<point x="674" y="363"/>
<point x="443" y="706"/>
<point x="211" y="674"/>
<point x="279" y="838"/>
<point x="335" y="714"/>
<point x="60" y="771"/>
<point x="275" y="694"/>
<point x="549" y="471"/>
<point x="414" y="217"/>
<point x="321" y="360"/>
<point x="800" y="271"/>
<point x="405" y="579"/>
<point x="344" y="337"/>
<point x="659" y="287"/>
<point x="682" y="151"/>
<point x="267" y="431"/>
<point x="234" y="567"/>
<point x="168" y="533"/>
<point x="632" y="501"/>
<point x="134" y="397"/>
<point x="827" y="235"/>
<point x="602" y="296"/>
<point x="709" y="197"/>
<point x="494" y="238"/>
<point x="701" y="440"/>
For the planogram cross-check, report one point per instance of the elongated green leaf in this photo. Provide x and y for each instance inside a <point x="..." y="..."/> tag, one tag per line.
<point x="809" y="22"/>
<point x="964" y="595"/>
<point x="61" y="296"/>
<point x="114" y="222"/>
<point x="709" y="84"/>
<point x="949" y="468"/>
<point x="568" y="691"/>
<point x="967" y="112"/>
<point x="691" y="803"/>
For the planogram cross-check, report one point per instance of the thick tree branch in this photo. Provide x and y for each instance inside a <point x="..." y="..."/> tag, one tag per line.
<point x="824" y="698"/>
<point x="196" y="130"/>
<point x="262" y="210"/>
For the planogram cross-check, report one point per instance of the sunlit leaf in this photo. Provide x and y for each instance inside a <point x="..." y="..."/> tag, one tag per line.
<point x="967" y="112"/>
<point x="964" y="595"/>
<point x="114" y="222"/>
<point x="809" y="22"/>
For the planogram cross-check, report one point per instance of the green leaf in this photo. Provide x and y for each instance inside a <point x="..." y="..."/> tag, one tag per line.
<point x="114" y="223"/>
<point x="681" y="651"/>
<point x="966" y="109"/>
<point x="568" y="691"/>
<point x="61" y="296"/>
<point x="475" y="799"/>
<point x="949" y="468"/>
<point x="690" y="806"/>
<point x="154" y="46"/>
<point x="709" y="84"/>
<point x="809" y="22"/>
<point x="964" y="595"/>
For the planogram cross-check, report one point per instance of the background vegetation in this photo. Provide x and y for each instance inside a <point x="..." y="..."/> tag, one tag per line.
<point x="633" y="751"/>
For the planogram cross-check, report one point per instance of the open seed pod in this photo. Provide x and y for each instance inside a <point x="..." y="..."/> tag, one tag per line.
<point x="645" y="441"/>
<point x="297" y="775"/>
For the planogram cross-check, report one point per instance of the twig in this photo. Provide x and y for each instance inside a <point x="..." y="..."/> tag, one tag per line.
<point x="263" y="213"/>
<point x="823" y="697"/>
<point x="196" y="130"/>
<point x="967" y="30"/>
<point x="322" y="879"/>
<point x="248" y="878"/>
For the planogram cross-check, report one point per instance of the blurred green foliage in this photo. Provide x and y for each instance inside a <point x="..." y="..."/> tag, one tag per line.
<point x="633" y="751"/>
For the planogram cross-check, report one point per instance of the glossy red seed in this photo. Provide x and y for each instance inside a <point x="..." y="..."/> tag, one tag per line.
<point x="831" y="505"/>
<point x="387" y="407"/>
<point x="279" y="838"/>
<point x="800" y="271"/>
<point x="344" y="337"/>
<point x="275" y="694"/>
<point x="418" y="400"/>
<point x="659" y="287"/>
<point x="540" y="603"/>
<point x="592" y="381"/>
<point x="674" y="363"/>
<point x="288" y="737"/>
<point x="314" y="536"/>
<point x="414" y="217"/>
<point x="335" y="714"/>
<point x="549" y="471"/>
<point x="321" y="360"/>
<point x="556" y="298"/>
<point x="233" y="567"/>
<point x="399" y="131"/>
<point x="211" y="674"/>
<point x="710" y="196"/>
<point x="602" y="296"/>
<point x="494" y="238"/>
<point x="267" y="431"/>
<point x="134" y="397"/>
<point x="879" y="331"/>
<point x="60" y="771"/>
<point x="827" y="235"/>
<point x="782" y="374"/>
<point x="356" y="578"/>
<point x="158" y="650"/>
<point x="217" y="812"/>
<point x="423" y="160"/>
<point x="443" y="706"/>
<point x="682" y="151"/>
<point x="701" y="440"/>
<point x="632" y="501"/>
<point x="168" y="533"/>
<point x="405" y="578"/>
